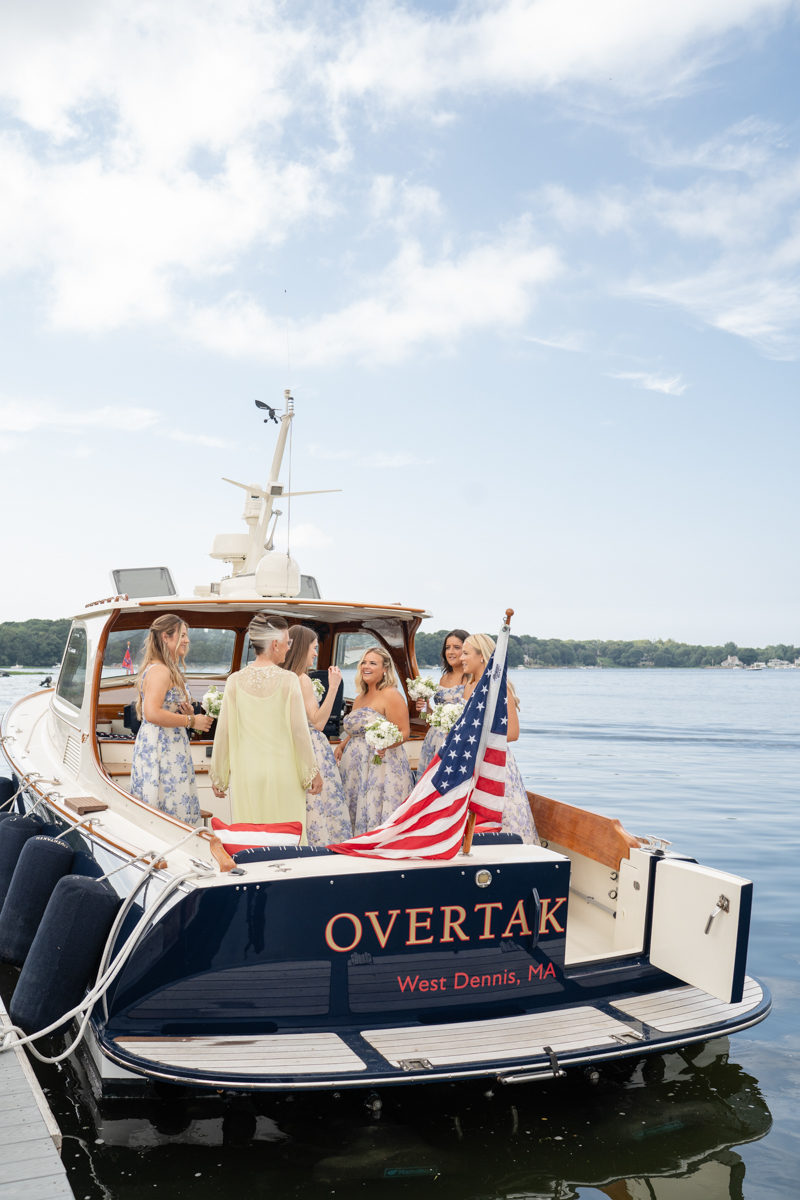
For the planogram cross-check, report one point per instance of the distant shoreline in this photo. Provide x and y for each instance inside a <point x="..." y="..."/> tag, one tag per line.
<point x="39" y="644"/>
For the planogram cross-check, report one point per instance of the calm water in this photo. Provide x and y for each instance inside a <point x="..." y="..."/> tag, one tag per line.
<point x="707" y="759"/>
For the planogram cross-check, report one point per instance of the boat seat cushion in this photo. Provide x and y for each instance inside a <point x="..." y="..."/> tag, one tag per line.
<point x="497" y="839"/>
<point x="264" y="853"/>
<point x="245" y="835"/>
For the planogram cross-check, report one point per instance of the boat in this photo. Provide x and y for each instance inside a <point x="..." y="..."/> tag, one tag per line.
<point x="289" y="968"/>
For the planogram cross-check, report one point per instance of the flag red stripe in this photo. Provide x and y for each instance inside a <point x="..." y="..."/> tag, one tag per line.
<point x="493" y="786"/>
<point x="496" y="757"/>
<point x="426" y="818"/>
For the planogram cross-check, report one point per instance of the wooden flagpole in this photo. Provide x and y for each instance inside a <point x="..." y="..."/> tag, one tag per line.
<point x="469" y="832"/>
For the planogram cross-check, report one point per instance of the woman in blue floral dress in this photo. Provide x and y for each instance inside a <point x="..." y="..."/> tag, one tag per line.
<point x="374" y="792"/>
<point x="517" y="815"/>
<point x="162" y="773"/>
<point x="327" y="814"/>
<point x="450" y="691"/>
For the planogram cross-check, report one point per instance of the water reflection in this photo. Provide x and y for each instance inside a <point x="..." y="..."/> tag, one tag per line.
<point x="650" y="1129"/>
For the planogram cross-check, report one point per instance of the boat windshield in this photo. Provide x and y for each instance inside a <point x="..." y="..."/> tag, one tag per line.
<point x="210" y="652"/>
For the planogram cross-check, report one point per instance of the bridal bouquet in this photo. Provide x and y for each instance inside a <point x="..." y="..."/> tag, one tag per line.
<point x="380" y="735"/>
<point x="444" y="716"/>
<point x="212" y="702"/>
<point x="319" y="689"/>
<point x="421" y="689"/>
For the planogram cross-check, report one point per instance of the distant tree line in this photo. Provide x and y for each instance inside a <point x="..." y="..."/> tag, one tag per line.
<point x="33" y="643"/>
<point x="39" y="643"/>
<point x="552" y="652"/>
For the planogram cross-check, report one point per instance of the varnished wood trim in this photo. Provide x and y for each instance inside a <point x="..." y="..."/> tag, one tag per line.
<point x="276" y="602"/>
<point x="603" y="839"/>
<point x="226" y="863"/>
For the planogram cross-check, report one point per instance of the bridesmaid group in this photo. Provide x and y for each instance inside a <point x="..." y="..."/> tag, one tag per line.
<point x="340" y="791"/>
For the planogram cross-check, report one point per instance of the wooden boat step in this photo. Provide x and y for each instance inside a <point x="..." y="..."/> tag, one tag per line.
<point x="688" y="1007"/>
<point x="84" y="805"/>
<point x="260" y="1054"/>
<point x="508" y="1037"/>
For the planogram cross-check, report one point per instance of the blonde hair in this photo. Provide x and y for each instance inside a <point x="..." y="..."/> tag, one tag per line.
<point x="482" y="644"/>
<point x="389" y="677"/>
<point x="156" y="652"/>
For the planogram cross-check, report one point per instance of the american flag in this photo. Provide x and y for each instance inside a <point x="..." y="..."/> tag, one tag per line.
<point x="467" y="775"/>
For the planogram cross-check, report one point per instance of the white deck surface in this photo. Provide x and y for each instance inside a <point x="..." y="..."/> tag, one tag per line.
<point x="688" y="1007"/>
<point x="268" y="1054"/>
<point x="508" y="1037"/>
<point x="30" y="1166"/>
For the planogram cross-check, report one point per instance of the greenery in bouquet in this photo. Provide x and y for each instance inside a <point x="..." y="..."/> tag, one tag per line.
<point x="381" y="735"/>
<point x="319" y="689"/>
<point x="421" y="689"/>
<point x="445" y="716"/>
<point x="212" y="702"/>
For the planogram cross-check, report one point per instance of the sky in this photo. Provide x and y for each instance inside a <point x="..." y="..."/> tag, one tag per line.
<point x="530" y="268"/>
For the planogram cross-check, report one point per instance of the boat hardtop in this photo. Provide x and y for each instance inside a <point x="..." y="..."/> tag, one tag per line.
<point x="292" y="967"/>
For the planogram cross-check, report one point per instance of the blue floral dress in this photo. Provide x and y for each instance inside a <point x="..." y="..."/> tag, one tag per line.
<point x="372" y="793"/>
<point x="327" y="815"/>
<point x="434" y="738"/>
<point x="517" y="815"/>
<point x="162" y="773"/>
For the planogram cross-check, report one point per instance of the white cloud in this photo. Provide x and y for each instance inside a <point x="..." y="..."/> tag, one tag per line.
<point x="669" y="384"/>
<point x="145" y="154"/>
<point x="200" y="439"/>
<point x="404" y="204"/>
<point x="574" y="341"/>
<point x="410" y="305"/>
<point x="303" y="537"/>
<point x="400" y="56"/>
<point x="324" y="452"/>
<point x="746" y="146"/>
<point x="24" y="416"/>
<point x="399" y="460"/>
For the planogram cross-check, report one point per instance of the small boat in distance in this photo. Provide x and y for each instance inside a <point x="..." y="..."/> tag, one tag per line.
<point x="293" y="968"/>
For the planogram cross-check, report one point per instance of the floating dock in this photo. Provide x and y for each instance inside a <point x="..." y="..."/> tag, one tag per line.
<point x="30" y="1140"/>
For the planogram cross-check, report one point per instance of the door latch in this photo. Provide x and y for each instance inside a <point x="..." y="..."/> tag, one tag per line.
<point x="723" y="905"/>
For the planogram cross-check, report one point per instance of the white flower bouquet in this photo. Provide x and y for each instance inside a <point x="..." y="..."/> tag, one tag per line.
<point x="319" y="689"/>
<point x="381" y="735"/>
<point x="444" y="716"/>
<point x="212" y="702"/>
<point x="421" y="689"/>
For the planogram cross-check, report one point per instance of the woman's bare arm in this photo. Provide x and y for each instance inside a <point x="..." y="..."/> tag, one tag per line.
<point x="156" y="686"/>
<point x="396" y="711"/>
<point x="512" y="733"/>
<point x="319" y="717"/>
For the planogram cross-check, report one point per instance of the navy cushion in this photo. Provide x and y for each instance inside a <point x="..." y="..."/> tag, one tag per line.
<point x="264" y="853"/>
<point x="497" y="839"/>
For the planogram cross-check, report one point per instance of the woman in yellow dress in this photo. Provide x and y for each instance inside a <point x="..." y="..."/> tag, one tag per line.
<point x="262" y="746"/>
